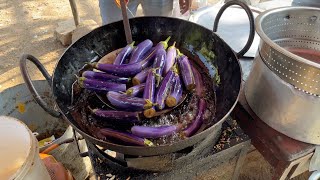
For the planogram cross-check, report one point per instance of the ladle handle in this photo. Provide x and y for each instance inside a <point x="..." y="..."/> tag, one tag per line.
<point x="27" y="80"/>
<point x="126" y="23"/>
<point x="251" y="23"/>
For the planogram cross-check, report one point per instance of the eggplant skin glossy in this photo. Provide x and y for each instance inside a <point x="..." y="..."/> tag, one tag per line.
<point x="124" y="137"/>
<point x="141" y="49"/>
<point x="140" y="77"/>
<point x="159" y="63"/>
<point x="186" y="73"/>
<point x="170" y="58"/>
<point x="154" y="132"/>
<point x="135" y="90"/>
<point x="175" y="93"/>
<point x="163" y="90"/>
<point x="123" y="116"/>
<point x="195" y="125"/>
<point x="100" y="86"/>
<point x="149" y="93"/>
<point x="125" y="70"/>
<point x="200" y="92"/>
<point x="124" y="53"/>
<point x="125" y="102"/>
<point x="104" y="77"/>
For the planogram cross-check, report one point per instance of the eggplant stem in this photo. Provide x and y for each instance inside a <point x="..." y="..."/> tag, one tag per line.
<point x="82" y="78"/>
<point x="165" y="42"/>
<point x="129" y="92"/>
<point x="135" y="81"/>
<point x="80" y="81"/>
<point x="179" y="53"/>
<point x="191" y="87"/>
<point x="173" y="45"/>
<point x="171" y="101"/>
<point x="148" y="104"/>
<point x="148" y="142"/>
<point x="91" y="110"/>
<point x="91" y="64"/>
<point x="175" y="69"/>
<point x="132" y="44"/>
<point x="149" y="113"/>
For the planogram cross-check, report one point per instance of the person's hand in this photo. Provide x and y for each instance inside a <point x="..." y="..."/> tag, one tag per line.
<point x="184" y="5"/>
<point x="118" y="2"/>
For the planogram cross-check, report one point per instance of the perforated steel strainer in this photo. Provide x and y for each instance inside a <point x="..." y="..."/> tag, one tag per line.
<point x="286" y="32"/>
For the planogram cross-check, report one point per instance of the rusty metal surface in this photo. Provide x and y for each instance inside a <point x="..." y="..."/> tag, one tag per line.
<point x="17" y="102"/>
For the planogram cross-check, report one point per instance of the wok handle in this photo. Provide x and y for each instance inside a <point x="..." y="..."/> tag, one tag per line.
<point x="27" y="80"/>
<point x="251" y="23"/>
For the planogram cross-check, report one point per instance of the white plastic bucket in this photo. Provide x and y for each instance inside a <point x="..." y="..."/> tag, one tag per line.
<point x="19" y="152"/>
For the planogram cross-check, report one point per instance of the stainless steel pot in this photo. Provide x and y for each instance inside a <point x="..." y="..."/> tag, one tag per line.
<point x="283" y="88"/>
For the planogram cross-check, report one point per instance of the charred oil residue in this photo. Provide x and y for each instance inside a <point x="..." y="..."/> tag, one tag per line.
<point x="182" y="116"/>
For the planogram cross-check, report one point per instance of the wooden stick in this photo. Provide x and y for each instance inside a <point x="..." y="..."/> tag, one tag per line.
<point x="75" y="12"/>
<point x="126" y="24"/>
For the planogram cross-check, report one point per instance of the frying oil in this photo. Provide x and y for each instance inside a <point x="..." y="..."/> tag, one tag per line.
<point x="182" y="115"/>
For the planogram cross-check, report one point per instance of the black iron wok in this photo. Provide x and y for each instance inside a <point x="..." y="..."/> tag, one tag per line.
<point x="190" y="38"/>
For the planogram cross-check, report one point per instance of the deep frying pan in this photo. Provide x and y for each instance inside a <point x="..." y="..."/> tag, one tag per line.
<point x="190" y="38"/>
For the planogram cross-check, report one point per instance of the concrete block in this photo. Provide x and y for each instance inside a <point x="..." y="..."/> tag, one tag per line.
<point x="83" y="28"/>
<point x="63" y="32"/>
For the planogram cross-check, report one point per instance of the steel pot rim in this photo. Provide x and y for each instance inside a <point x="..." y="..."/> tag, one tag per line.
<point x="267" y="40"/>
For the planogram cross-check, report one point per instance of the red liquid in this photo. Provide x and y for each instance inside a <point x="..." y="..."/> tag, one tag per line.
<point x="310" y="54"/>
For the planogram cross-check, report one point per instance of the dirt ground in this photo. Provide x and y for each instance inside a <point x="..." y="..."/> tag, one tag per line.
<point x="28" y="27"/>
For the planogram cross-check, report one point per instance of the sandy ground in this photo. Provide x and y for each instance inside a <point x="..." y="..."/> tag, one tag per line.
<point x="28" y="27"/>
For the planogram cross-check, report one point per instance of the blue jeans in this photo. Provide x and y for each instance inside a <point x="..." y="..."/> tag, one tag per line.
<point x="110" y="12"/>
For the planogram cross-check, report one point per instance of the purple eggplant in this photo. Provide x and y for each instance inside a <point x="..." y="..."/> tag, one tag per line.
<point x="140" y="50"/>
<point x="159" y="63"/>
<point x="124" y="53"/>
<point x="145" y="55"/>
<point x="140" y="77"/>
<point x="123" y="101"/>
<point x="199" y="82"/>
<point x="125" y="70"/>
<point x="149" y="92"/>
<point x="135" y="90"/>
<point x="195" y="125"/>
<point x="124" y="137"/>
<point x="154" y="132"/>
<point x="128" y="70"/>
<point x="175" y="93"/>
<point x="171" y="56"/>
<point x="186" y="72"/>
<point x="119" y="116"/>
<point x="161" y="45"/>
<point x="100" y="86"/>
<point x="104" y="77"/>
<point x="149" y="52"/>
<point x="163" y="89"/>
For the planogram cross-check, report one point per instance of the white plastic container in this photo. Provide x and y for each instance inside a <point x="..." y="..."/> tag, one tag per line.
<point x="19" y="152"/>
